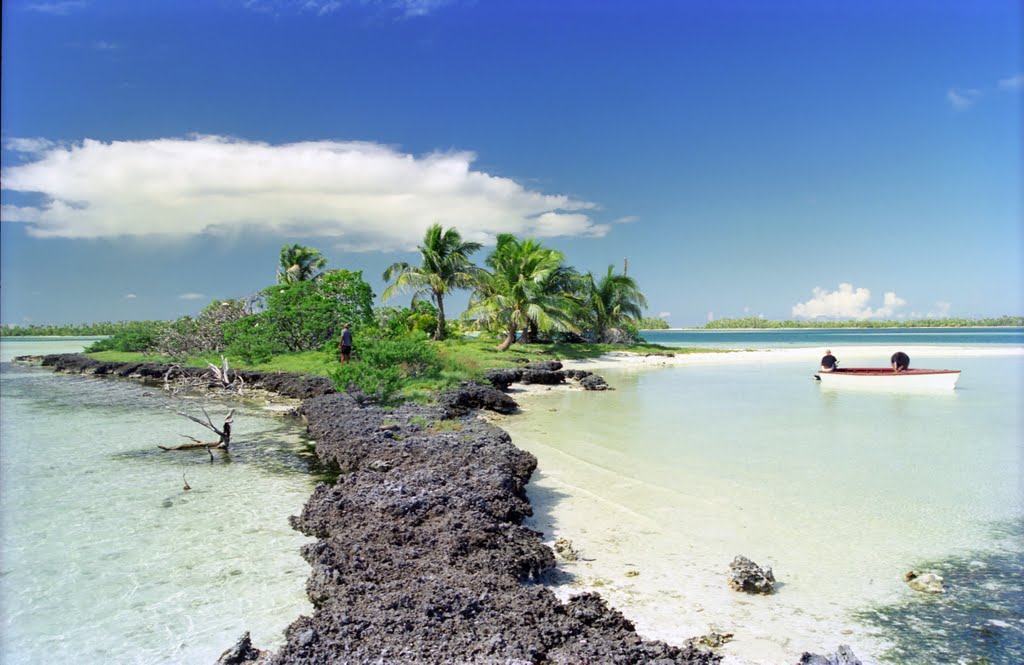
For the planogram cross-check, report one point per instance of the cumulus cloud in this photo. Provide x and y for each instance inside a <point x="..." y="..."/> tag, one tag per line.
<point x="847" y="302"/>
<point x="664" y="315"/>
<point x="367" y="196"/>
<point x="962" y="99"/>
<point x="130" y="296"/>
<point x="190" y="296"/>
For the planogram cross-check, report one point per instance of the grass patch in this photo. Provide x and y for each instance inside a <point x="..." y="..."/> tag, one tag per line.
<point x="462" y="359"/>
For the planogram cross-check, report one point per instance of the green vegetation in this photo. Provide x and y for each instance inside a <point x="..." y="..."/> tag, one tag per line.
<point x="444" y="266"/>
<point x="752" y="322"/>
<point x="527" y="296"/>
<point x="651" y="323"/>
<point x="299" y="263"/>
<point x="72" y="330"/>
<point x="616" y="303"/>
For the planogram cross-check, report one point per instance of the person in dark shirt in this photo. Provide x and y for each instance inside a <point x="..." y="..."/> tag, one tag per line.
<point x="900" y="361"/>
<point x="829" y="362"/>
<point x="346" y="344"/>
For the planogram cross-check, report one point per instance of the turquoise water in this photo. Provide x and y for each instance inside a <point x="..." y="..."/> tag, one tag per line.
<point x="105" y="557"/>
<point x="681" y="468"/>
<point x="826" y="337"/>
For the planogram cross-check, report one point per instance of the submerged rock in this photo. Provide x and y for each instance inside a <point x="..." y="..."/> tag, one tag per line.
<point x="563" y="548"/>
<point x="243" y="653"/>
<point x="843" y="656"/>
<point x="713" y="639"/>
<point x="745" y="575"/>
<point x="594" y="382"/>
<point x="924" y="582"/>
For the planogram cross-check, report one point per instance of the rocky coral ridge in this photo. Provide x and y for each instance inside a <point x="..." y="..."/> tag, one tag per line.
<point x="421" y="556"/>
<point x="299" y="386"/>
<point x="546" y="373"/>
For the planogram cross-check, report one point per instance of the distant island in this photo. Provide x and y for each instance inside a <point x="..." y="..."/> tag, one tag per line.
<point x="754" y="322"/>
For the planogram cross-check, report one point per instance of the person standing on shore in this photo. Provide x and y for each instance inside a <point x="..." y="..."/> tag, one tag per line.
<point x="346" y="344"/>
<point x="900" y="361"/>
<point x="829" y="362"/>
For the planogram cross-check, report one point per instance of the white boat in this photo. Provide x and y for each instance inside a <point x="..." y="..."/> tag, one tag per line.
<point x="883" y="378"/>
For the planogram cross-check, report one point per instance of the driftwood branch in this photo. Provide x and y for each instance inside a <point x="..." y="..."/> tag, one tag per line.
<point x="176" y="379"/>
<point x="223" y="432"/>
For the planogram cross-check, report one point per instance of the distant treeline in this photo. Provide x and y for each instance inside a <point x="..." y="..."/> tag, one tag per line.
<point x="73" y="330"/>
<point x="752" y="322"/>
<point x="650" y="323"/>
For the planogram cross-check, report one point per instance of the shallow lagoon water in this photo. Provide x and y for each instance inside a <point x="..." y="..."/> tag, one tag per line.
<point x="105" y="557"/>
<point x="662" y="482"/>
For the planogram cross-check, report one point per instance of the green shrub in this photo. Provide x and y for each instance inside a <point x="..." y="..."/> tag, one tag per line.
<point x="381" y="367"/>
<point x="249" y="339"/>
<point x="139" y="336"/>
<point x="379" y="384"/>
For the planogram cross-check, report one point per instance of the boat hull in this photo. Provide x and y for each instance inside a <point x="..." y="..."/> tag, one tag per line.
<point x="875" y="378"/>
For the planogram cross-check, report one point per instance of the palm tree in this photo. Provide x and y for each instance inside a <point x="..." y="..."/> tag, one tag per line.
<point x="512" y="297"/>
<point x="444" y="266"/>
<point x="614" y="300"/>
<point x="299" y="264"/>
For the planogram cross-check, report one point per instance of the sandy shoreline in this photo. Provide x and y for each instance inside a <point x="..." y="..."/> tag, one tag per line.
<point x="864" y="355"/>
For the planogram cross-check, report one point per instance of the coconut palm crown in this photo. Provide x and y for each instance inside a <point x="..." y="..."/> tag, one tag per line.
<point x="444" y="266"/>
<point x="614" y="301"/>
<point x="521" y="291"/>
<point x="299" y="264"/>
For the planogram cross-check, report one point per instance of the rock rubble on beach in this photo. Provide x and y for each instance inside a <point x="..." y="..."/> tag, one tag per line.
<point x="745" y="575"/>
<point x="299" y="386"/>
<point x="421" y="555"/>
<point x="548" y="373"/>
<point x="843" y="656"/>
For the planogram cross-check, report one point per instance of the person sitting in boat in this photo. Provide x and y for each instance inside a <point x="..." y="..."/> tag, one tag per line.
<point x="829" y="362"/>
<point x="900" y="361"/>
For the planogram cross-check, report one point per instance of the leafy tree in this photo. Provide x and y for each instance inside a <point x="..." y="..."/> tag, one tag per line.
<point x="202" y="334"/>
<point x="303" y="315"/>
<point x="510" y="297"/>
<point x="444" y="266"/>
<point x="299" y="263"/>
<point x="616" y="303"/>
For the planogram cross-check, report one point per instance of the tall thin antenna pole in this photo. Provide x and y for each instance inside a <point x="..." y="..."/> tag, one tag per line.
<point x="625" y="265"/>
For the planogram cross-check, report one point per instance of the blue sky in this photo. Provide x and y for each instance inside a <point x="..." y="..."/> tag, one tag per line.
<point x="852" y="160"/>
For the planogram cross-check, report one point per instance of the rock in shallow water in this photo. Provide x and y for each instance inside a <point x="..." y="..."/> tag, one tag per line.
<point x="745" y="575"/>
<point x="843" y="656"/>
<point x="924" y="582"/>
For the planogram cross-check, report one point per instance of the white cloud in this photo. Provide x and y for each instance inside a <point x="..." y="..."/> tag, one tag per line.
<point x="105" y="46"/>
<point x="60" y="8"/>
<point x="365" y="195"/>
<point x="628" y="219"/>
<point x="191" y="296"/>
<point x="941" y="310"/>
<point x="962" y="99"/>
<point x="664" y="315"/>
<point x="1011" y="83"/>
<point x="406" y="8"/>
<point x="130" y="296"/>
<point x="847" y="303"/>
<point x="29" y="146"/>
